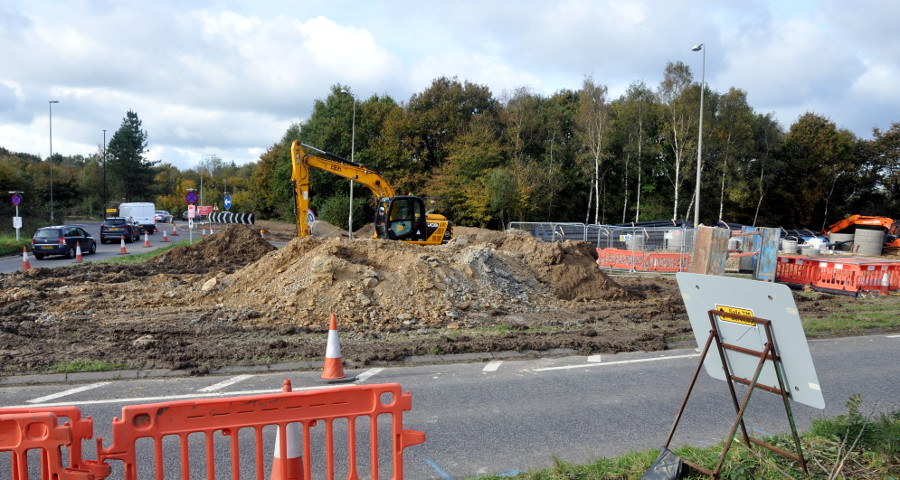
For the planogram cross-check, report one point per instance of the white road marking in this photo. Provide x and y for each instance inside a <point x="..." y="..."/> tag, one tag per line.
<point x="141" y="400"/>
<point x="66" y="393"/>
<point x="362" y="377"/>
<point x="594" y="359"/>
<point x="225" y="383"/>
<point x="893" y="336"/>
<point x="492" y="366"/>
<point x="621" y="362"/>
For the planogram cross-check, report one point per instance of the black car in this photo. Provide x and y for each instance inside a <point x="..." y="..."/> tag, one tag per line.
<point x="61" y="240"/>
<point x="116" y="228"/>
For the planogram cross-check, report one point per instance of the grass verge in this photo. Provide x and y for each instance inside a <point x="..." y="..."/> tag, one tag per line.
<point x="85" y="366"/>
<point x="850" y="446"/>
<point x="140" y="257"/>
<point x="9" y="245"/>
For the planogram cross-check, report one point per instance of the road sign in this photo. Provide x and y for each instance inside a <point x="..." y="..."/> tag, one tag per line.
<point x="192" y="211"/>
<point x="191" y="197"/>
<point x="16" y="199"/>
<point x="204" y="209"/>
<point x="227" y="202"/>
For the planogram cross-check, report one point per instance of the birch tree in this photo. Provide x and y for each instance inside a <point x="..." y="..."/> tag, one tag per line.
<point x="679" y="121"/>
<point x="591" y="117"/>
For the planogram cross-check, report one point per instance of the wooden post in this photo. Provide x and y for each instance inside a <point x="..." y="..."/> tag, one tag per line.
<point x="710" y="250"/>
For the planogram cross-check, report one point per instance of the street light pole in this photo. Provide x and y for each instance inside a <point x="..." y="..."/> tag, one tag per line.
<point x="699" y="136"/>
<point x="51" y="158"/>
<point x="352" y="152"/>
<point x="104" y="173"/>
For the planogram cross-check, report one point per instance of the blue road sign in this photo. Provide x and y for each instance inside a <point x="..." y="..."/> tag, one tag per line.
<point x="191" y="197"/>
<point x="227" y="202"/>
<point x="16" y="199"/>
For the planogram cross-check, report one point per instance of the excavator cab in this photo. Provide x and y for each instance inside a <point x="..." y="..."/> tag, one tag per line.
<point x="401" y="218"/>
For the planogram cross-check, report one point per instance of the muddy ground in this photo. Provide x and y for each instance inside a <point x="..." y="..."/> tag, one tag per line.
<point x="234" y="299"/>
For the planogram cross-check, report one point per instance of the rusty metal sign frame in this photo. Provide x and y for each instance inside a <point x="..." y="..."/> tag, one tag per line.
<point x="767" y="356"/>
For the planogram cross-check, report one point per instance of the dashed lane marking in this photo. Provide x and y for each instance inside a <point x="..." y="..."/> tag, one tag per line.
<point x="362" y="377"/>
<point x="492" y="366"/>
<point x="620" y="362"/>
<point x="139" y="400"/>
<point x="66" y="393"/>
<point x="225" y="383"/>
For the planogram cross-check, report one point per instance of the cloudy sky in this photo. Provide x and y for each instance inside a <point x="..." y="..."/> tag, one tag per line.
<point x="228" y="77"/>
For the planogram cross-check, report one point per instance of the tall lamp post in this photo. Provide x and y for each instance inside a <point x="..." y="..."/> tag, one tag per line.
<point x="352" y="152"/>
<point x="51" y="158"/>
<point x="698" y="48"/>
<point x="104" y="173"/>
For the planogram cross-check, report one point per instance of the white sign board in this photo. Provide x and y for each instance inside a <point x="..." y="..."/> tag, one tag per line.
<point x="769" y="301"/>
<point x="17" y="222"/>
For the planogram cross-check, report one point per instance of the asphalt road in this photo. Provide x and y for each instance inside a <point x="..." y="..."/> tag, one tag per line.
<point x="11" y="263"/>
<point x="509" y="415"/>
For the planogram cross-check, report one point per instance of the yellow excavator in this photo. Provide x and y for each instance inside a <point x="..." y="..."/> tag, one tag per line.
<point x="397" y="217"/>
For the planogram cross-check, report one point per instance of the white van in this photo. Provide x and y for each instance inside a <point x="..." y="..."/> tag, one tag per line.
<point x="143" y="213"/>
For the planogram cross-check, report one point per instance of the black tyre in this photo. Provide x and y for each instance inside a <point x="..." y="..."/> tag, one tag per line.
<point x="39" y="256"/>
<point x="71" y="253"/>
<point x="93" y="249"/>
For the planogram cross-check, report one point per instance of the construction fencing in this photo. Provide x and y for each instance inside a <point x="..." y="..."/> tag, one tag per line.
<point x="344" y="432"/>
<point x="652" y="249"/>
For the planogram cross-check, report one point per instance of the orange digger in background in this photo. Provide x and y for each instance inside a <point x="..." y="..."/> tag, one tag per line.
<point x="849" y="224"/>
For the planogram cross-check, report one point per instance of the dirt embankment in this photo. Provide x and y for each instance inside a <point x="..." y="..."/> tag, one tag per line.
<point x="233" y="298"/>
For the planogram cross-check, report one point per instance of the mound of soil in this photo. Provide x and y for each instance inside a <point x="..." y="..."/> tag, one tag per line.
<point x="234" y="299"/>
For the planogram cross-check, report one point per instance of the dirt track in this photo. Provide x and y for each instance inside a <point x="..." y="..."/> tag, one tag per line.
<point x="233" y="299"/>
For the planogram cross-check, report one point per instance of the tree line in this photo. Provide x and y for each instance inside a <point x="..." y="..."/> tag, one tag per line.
<point x="573" y="156"/>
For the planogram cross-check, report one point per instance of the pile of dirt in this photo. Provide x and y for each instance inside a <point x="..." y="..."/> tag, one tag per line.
<point x="227" y="250"/>
<point x="233" y="299"/>
<point x="375" y="285"/>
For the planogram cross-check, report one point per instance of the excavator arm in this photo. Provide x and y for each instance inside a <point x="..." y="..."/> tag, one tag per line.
<point x="402" y="218"/>
<point x="302" y="160"/>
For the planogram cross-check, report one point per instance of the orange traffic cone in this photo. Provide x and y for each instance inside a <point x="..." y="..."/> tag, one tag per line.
<point x="26" y="265"/>
<point x="174" y="230"/>
<point x="78" y="257"/>
<point x="334" y="367"/>
<point x="885" y="284"/>
<point x="203" y="233"/>
<point x="165" y="235"/>
<point x="287" y="465"/>
<point x="146" y="239"/>
<point x="122" y="250"/>
<point x="211" y="230"/>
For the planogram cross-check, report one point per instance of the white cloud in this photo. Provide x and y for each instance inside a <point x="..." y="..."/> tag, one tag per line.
<point x="229" y="77"/>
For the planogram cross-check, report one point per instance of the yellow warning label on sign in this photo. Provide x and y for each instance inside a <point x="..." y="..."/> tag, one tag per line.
<point x="736" y="311"/>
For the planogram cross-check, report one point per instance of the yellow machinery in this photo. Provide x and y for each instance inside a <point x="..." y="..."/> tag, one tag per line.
<point x="400" y="217"/>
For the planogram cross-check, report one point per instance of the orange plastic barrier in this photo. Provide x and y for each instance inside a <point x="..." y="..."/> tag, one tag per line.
<point x="40" y="429"/>
<point x="667" y="262"/>
<point x="179" y="420"/>
<point x="644" y="261"/>
<point x="850" y="277"/>
<point x="50" y="437"/>
<point x="794" y="270"/>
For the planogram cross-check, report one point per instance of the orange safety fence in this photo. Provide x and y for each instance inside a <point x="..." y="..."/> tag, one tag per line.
<point x="44" y="433"/>
<point x="851" y="277"/>
<point x="643" y="261"/>
<point x="842" y="274"/>
<point x="794" y="270"/>
<point x="181" y="425"/>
